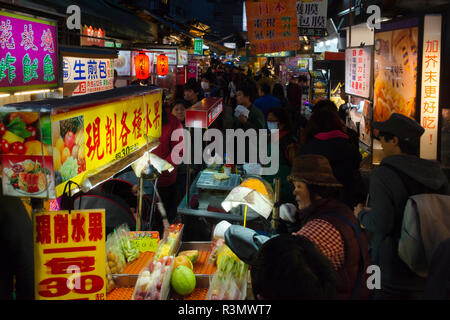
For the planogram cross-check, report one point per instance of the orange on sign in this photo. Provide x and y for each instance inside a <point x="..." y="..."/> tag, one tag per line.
<point x="272" y="26"/>
<point x="69" y="255"/>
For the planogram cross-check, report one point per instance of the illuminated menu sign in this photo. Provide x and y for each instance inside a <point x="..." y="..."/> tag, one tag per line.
<point x="28" y="53"/>
<point x="358" y="71"/>
<point x="431" y="65"/>
<point x="272" y="26"/>
<point x="93" y="75"/>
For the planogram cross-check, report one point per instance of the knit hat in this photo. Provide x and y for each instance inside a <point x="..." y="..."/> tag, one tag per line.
<point x="313" y="169"/>
<point x="400" y="126"/>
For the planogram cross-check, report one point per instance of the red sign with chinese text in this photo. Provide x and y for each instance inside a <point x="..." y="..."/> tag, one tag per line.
<point x="272" y="26"/>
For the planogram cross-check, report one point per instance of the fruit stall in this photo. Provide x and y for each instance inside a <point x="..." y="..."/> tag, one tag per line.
<point x="54" y="149"/>
<point x="177" y="271"/>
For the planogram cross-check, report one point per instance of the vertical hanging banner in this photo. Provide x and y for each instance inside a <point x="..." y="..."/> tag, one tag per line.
<point x="69" y="255"/>
<point x="431" y="66"/>
<point x="192" y="69"/>
<point x="272" y="26"/>
<point x="358" y="71"/>
<point x="28" y="53"/>
<point x="198" y="46"/>
<point x="312" y="17"/>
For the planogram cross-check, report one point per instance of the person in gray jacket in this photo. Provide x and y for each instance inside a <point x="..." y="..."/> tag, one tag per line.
<point x="400" y="174"/>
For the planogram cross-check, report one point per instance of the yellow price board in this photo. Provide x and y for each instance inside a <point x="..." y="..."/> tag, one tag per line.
<point x="69" y="255"/>
<point x="95" y="136"/>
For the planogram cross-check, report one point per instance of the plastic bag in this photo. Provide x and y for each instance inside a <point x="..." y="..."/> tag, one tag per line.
<point x="153" y="282"/>
<point x="128" y="247"/>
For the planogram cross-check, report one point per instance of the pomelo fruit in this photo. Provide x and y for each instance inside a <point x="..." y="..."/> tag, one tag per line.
<point x="190" y="254"/>
<point x="183" y="280"/>
<point x="183" y="261"/>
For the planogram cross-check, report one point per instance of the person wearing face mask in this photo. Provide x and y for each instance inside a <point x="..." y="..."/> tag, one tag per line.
<point x="320" y="218"/>
<point x="208" y="87"/>
<point x="278" y="119"/>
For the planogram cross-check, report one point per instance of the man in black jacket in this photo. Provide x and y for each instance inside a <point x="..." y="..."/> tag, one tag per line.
<point x="16" y="237"/>
<point x="389" y="191"/>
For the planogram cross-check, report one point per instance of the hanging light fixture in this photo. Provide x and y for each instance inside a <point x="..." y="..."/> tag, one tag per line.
<point x="162" y="65"/>
<point x="142" y="66"/>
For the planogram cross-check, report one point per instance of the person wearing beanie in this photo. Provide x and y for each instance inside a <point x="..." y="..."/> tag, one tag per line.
<point x="400" y="174"/>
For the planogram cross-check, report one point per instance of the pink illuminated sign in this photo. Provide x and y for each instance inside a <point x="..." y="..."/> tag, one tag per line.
<point x="28" y="53"/>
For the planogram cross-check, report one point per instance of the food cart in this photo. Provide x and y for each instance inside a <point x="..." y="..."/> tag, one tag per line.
<point x="68" y="146"/>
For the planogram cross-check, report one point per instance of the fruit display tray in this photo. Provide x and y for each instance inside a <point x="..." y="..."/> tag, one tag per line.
<point x="202" y="266"/>
<point x="203" y="271"/>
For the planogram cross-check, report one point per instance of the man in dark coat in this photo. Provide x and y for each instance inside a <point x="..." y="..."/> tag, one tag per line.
<point x="399" y="137"/>
<point x="16" y="236"/>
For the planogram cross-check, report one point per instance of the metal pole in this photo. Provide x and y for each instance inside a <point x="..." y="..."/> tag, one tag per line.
<point x="138" y="215"/>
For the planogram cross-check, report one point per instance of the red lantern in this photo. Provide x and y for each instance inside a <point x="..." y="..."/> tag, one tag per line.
<point x="162" y="65"/>
<point x="142" y="66"/>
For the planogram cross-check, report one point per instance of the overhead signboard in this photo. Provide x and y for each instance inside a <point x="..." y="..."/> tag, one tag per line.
<point x="198" y="46"/>
<point x="312" y="17"/>
<point x="28" y="53"/>
<point x="272" y="26"/>
<point x="93" y="75"/>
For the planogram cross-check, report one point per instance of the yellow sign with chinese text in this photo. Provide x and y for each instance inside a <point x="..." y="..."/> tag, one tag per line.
<point x="92" y="137"/>
<point x="69" y="255"/>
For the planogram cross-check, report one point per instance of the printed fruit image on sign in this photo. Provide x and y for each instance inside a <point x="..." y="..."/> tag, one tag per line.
<point x="68" y="148"/>
<point x="25" y="152"/>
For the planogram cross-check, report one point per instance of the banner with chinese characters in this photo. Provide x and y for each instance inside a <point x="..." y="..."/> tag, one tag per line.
<point x="272" y="26"/>
<point x="358" y="71"/>
<point x="69" y="255"/>
<point x="312" y="17"/>
<point x="182" y="57"/>
<point x="93" y="75"/>
<point x="431" y="66"/>
<point x="198" y="46"/>
<point x="87" y="139"/>
<point x="395" y="73"/>
<point x="28" y="53"/>
<point x="92" y="36"/>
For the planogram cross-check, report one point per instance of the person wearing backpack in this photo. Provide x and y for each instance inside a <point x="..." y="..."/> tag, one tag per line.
<point x="400" y="175"/>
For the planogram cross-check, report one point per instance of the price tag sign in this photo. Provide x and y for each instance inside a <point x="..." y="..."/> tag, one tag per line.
<point x="146" y="241"/>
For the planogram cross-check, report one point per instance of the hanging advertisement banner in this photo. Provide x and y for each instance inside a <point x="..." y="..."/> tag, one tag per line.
<point x="272" y="26"/>
<point x="395" y="73"/>
<point x="69" y="255"/>
<point x="312" y="17"/>
<point x="182" y="57"/>
<point x="28" y="53"/>
<point x="358" y="71"/>
<point x="192" y="69"/>
<point x="198" y="46"/>
<point x="431" y="66"/>
<point x="93" y="75"/>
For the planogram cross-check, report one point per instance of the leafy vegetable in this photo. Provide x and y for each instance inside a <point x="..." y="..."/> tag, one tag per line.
<point x="18" y="127"/>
